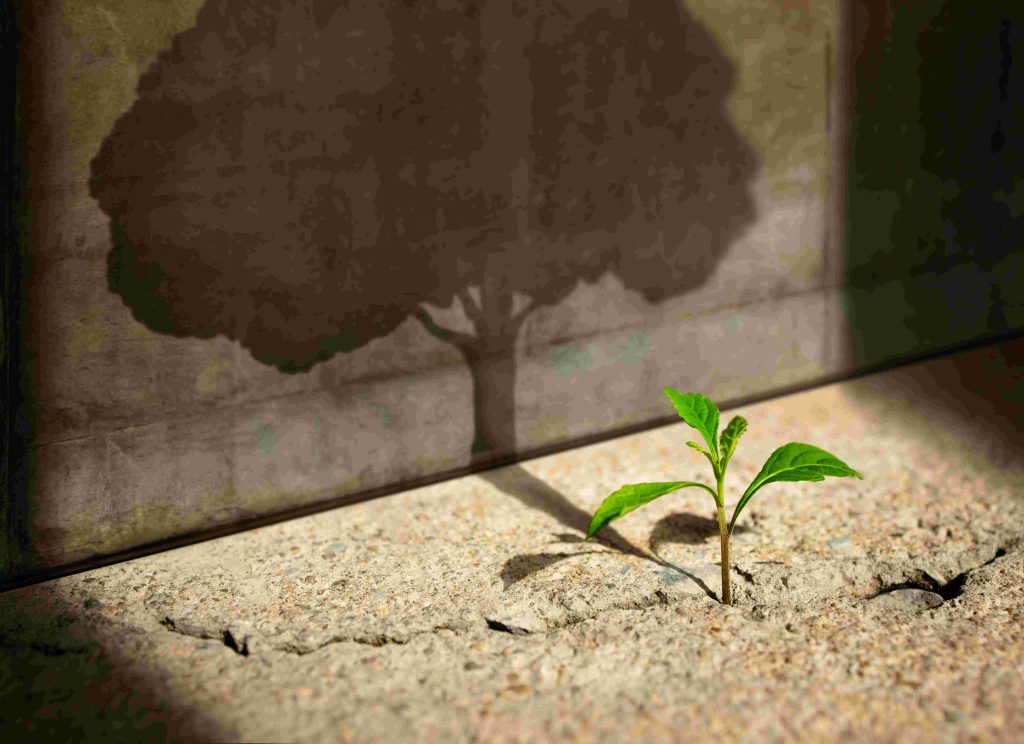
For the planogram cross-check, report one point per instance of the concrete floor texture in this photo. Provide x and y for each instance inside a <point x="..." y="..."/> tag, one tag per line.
<point x="888" y="609"/>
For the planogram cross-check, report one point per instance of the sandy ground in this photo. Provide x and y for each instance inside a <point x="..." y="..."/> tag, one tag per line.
<point x="889" y="609"/>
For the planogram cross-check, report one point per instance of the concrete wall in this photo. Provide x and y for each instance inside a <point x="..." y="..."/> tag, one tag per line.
<point x="276" y="255"/>
<point x="934" y="230"/>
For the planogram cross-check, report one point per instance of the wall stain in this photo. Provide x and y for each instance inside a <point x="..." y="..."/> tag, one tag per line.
<point x="268" y="438"/>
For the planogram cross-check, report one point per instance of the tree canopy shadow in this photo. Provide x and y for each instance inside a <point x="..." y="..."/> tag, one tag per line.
<point x="304" y="176"/>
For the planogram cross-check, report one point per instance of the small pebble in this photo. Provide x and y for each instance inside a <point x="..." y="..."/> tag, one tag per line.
<point x="908" y="599"/>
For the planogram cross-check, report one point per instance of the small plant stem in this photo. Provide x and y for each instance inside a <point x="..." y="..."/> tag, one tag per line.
<point x="724" y="531"/>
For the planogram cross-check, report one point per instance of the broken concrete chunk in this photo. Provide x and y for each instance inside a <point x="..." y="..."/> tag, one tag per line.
<point x="839" y="543"/>
<point x="907" y="599"/>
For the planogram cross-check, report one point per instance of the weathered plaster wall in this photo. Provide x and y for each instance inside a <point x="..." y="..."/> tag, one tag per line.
<point x="146" y="423"/>
<point x="935" y="224"/>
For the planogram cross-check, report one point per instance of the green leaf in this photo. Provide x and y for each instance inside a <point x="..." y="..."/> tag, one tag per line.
<point x="794" y="462"/>
<point x="694" y="445"/>
<point x="697" y="447"/>
<point x="730" y="436"/>
<point x="700" y="413"/>
<point x="630" y="497"/>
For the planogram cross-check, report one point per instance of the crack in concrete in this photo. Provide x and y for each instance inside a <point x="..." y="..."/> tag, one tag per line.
<point x="506" y="627"/>
<point x="376" y="640"/>
<point x="572" y="618"/>
<point x="242" y="644"/>
<point x="947" y="590"/>
<point x="747" y="575"/>
<point x="240" y="647"/>
<point x="238" y="644"/>
<point x="381" y="639"/>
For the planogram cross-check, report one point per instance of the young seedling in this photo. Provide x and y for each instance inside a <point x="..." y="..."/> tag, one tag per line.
<point x="790" y="462"/>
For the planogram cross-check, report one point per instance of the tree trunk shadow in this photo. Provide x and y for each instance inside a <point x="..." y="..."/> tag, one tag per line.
<point x="531" y="491"/>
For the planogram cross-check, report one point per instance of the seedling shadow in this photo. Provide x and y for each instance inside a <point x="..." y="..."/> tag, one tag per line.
<point x="520" y="567"/>
<point x="686" y="529"/>
<point x="533" y="492"/>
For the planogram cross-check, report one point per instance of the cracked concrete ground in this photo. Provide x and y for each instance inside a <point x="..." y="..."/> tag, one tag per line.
<point x="889" y="609"/>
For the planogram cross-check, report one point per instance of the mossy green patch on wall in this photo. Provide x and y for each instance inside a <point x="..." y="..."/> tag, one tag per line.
<point x="94" y="532"/>
<point x="384" y="411"/>
<point x="267" y="438"/>
<point x="87" y="336"/>
<point x="97" y="49"/>
<point x="630" y="351"/>
<point x="550" y="428"/>
<point x="215" y="376"/>
<point x="570" y="358"/>
<point x="435" y="462"/>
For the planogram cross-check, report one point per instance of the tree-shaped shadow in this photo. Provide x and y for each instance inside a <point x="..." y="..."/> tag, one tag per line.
<point x="304" y="176"/>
